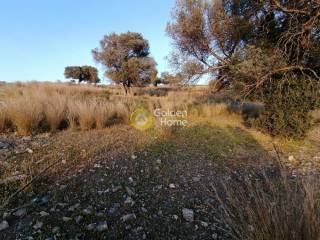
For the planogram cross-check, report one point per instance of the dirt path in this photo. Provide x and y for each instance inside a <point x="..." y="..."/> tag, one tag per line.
<point x="123" y="184"/>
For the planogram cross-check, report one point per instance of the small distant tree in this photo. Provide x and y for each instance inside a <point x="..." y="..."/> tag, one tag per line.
<point x="127" y="60"/>
<point x="82" y="74"/>
<point x="172" y="79"/>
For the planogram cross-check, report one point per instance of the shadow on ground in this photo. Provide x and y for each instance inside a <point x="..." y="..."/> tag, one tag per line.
<point x="139" y="195"/>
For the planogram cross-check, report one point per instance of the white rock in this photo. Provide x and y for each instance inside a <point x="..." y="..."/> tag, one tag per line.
<point x="188" y="214"/>
<point x="20" y="213"/>
<point x="102" y="226"/>
<point x="196" y="179"/>
<point x="55" y="230"/>
<point x="29" y="150"/>
<point x="91" y="226"/>
<point x="291" y="158"/>
<point x="97" y="166"/>
<point x="128" y="217"/>
<point x="129" y="201"/>
<point x="74" y="207"/>
<point x="78" y="219"/>
<point x="44" y="214"/>
<point x="4" y="225"/>
<point x="66" y="219"/>
<point x="133" y="157"/>
<point x="38" y="225"/>
<point x="175" y="217"/>
<point x="159" y="161"/>
<point x="129" y="191"/>
<point x="87" y="211"/>
<point x="172" y="186"/>
<point x="204" y="224"/>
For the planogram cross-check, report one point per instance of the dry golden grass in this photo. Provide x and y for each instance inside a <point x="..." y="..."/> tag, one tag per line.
<point x="264" y="205"/>
<point x="25" y="114"/>
<point x="39" y="107"/>
<point x="3" y="117"/>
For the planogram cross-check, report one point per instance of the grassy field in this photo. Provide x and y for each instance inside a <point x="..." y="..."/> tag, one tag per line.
<point x="72" y="164"/>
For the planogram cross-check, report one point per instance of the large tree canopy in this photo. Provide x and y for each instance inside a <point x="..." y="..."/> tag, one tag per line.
<point x="82" y="74"/>
<point x="269" y="50"/>
<point x="126" y="59"/>
<point x="208" y="34"/>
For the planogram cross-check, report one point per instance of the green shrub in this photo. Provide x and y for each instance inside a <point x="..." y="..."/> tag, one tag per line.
<point x="288" y="106"/>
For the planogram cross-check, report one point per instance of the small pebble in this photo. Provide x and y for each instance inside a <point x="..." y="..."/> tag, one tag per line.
<point x="4" y="225"/>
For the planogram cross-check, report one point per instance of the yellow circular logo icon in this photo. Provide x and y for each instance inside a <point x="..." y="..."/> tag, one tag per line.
<point x="141" y="119"/>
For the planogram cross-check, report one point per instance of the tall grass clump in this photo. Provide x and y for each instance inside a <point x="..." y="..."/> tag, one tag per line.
<point x="55" y="110"/>
<point x="3" y="117"/>
<point x="264" y="206"/>
<point x="25" y="114"/>
<point x="87" y="114"/>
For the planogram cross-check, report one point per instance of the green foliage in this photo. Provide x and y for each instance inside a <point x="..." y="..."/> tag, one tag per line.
<point x="126" y="59"/>
<point x="268" y="50"/>
<point x="288" y="105"/>
<point x="82" y="74"/>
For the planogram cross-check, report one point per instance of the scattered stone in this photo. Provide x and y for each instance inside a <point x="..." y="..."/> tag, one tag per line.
<point x="159" y="161"/>
<point x="4" y="145"/>
<point x="44" y="214"/>
<point x="175" y="217"/>
<point x="196" y="179"/>
<point x="78" y="219"/>
<point x="291" y="158"/>
<point x="100" y="214"/>
<point x="116" y="189"/>
<point x="6" y="215"/>
<point x="133" y="157"/>
<point x="91" y="226"/>
<point x="114" y="209"/>
<point x="129" y="201"/>
<point x="4" y="225"/>
<point x="64" y="161"/>
<point x="28" y="150"/>
<point x="214" y="236"/>
<point x="38" y="225"/>
<point x="188" y="214"/>
<point x="44" y="200"/>
<point x="144" y="210"/>
<point x="20" y="213"/>
<point x="87" y="211"/>
<point x="26" y="138"/>
<point x="97" y="166"/>
<point x="102" y="226"/>
<point x="74" y="207"/>
<point x="251" y="228"/>
<point x="204" y="224"/>
<point x="129" y="191"/>
<point x="55" y="230"/>
<point x="66" y="219"/>
<point x="130" y="179"/>
<point x="13" y="179"/>
<point x="128" y="217"/>
<point x="172" y="186"/>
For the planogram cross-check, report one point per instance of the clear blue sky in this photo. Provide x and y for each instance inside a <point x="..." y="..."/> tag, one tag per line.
<point x="38" y="38"/>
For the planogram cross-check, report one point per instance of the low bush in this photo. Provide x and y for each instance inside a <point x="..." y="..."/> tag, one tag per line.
<point x="288" y="107"/>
